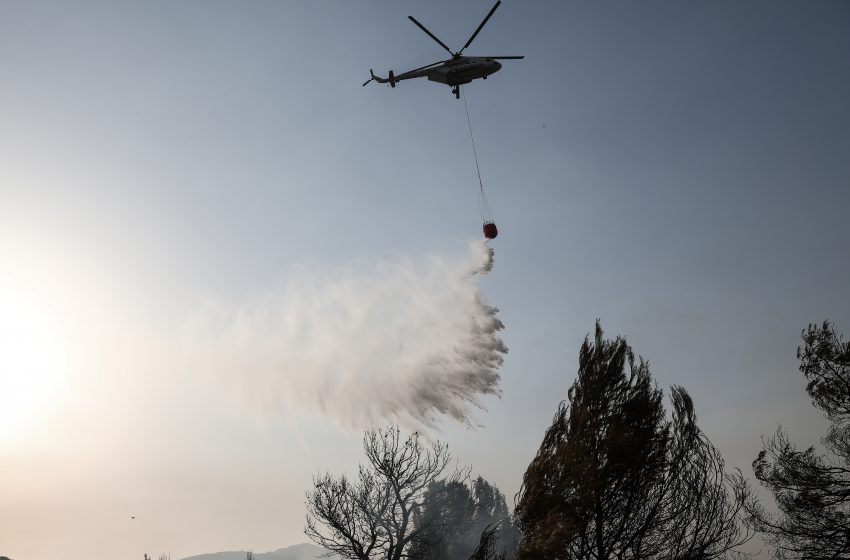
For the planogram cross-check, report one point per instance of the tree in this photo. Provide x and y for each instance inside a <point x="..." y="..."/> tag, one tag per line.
<point x="374" y="514"/>
<point x="613" y="478"/>
<point x="812" y="489"/>
<point x="487" y="548"/>
<point x="585" y="494"/>
<point x="702" y="506"/>
<point x="491" y="512"/>
<point x="458" y="513"/>
<point x="447" y="509"/>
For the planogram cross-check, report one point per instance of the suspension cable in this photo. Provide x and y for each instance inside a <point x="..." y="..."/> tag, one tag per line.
<point x="483" y="204"/>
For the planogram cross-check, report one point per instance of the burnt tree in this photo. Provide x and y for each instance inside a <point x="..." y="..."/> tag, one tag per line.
<point x="373" y="515"/>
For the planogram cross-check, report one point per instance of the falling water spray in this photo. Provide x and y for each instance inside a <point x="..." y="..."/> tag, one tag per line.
<point x="406" y="342"/>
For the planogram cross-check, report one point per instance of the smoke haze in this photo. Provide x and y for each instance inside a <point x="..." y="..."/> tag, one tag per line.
<point x="403" y="342"/>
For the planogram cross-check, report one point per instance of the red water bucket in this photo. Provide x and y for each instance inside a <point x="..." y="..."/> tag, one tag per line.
<point x="490" y="231"/>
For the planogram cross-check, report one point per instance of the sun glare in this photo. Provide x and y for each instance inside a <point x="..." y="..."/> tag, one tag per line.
<point x="33" y="365"/>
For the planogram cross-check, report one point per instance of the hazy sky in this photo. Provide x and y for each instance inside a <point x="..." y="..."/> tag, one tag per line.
<point x="679" y="170"/>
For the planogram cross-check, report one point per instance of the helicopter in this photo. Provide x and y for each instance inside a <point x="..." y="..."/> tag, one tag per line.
<point x="454" y="72"/>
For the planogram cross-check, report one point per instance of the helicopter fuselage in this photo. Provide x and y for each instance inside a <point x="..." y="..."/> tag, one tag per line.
<point x="454" y="72"/>
<point x="463" y="70"/>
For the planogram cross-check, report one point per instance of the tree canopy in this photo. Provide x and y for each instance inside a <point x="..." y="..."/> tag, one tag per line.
<point x="812" y="489"/>
<point x="614" y="478"/>
<point x="405" y="503"/>
<point x="374" y="514"/>
<point x="458" y="513"/>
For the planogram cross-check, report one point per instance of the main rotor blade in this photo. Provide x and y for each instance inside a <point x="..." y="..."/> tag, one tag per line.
<point x="425" y="29"/>
<point x="480" y="26"/>
<point x="503" y="57"/>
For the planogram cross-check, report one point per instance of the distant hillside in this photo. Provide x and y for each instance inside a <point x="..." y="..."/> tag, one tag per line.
<point x="294" y="552"/>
